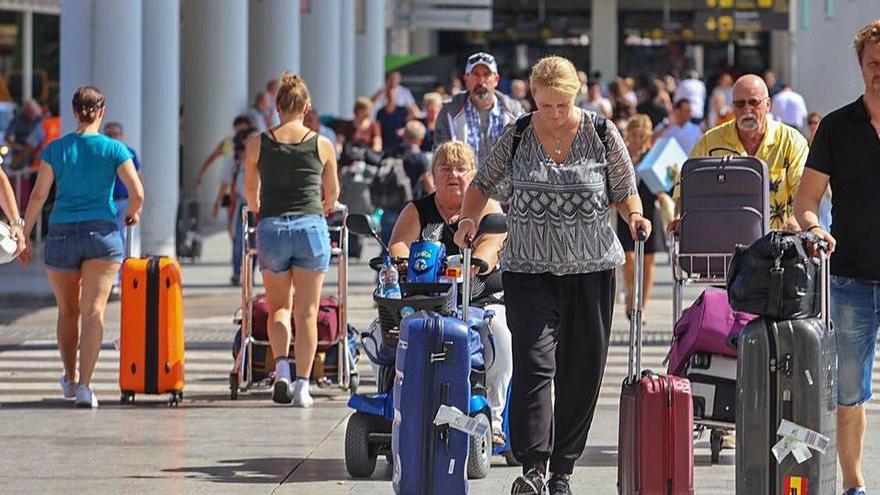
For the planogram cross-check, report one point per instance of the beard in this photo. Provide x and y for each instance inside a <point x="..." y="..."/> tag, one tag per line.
<point x="482" y="93"/>
<point x="748" y="124"/>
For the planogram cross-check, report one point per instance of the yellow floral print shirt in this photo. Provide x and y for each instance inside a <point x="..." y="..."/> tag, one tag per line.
<point x="783" y="149"/>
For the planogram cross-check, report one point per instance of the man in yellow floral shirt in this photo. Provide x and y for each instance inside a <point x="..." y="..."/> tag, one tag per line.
<point x="751" y="133"/>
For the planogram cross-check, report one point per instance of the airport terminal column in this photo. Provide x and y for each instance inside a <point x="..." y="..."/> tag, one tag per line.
<point x="214" y="87"/>
<point x="347" y="59"/>
<point x="370" y="36"/>
<point x="320" y="54"/>
<point x="161" y="125"/>
<point x="603" y="38"/>
<point x="274" y="41"/>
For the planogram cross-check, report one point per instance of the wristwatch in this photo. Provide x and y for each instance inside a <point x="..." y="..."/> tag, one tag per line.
<point x="18" y="223"/>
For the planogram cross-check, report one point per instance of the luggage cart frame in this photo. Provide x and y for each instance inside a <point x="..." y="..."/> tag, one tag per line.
<point x="684" y="273"/>
<point x="241" y="379"/>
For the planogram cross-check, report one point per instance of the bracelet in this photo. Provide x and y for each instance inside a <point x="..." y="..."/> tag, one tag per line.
<point x="636" y="213"/>
<point x="471" y="220"/>
<point x="811" y="227"/>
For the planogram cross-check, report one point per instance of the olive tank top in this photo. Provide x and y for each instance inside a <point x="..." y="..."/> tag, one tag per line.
<point x="290" y="177"/>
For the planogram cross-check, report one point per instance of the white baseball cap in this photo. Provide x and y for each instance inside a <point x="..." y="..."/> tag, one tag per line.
<point x="481" y="58"/>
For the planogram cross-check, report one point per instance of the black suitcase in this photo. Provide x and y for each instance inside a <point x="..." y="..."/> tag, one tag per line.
<point x="733" y="191"/>
<point x="188" y="237"/>
<point x="787" y="371"/>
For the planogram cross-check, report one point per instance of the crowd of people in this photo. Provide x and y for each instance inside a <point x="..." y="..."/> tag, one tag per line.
<point x="559" y="171"/>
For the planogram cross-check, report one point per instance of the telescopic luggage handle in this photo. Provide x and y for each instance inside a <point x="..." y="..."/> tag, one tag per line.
<point x="129" y="226"/>
<point x="635" y="323"/>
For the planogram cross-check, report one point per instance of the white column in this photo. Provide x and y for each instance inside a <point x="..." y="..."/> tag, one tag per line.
<point x="116" y="69"/>
<point x="347" y="60"/>
<point x="603" y="38"/>
<point x="214" y="86"/>
<point x="76" y="55"/>
<point x="27" y="51"/>
<point x="274" y="41"/>
<point x="320" y="54"/>
<point x="160" y="154"/>
<point x="370" y="63"/>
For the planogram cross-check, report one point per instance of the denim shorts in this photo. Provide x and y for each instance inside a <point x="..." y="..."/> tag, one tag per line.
<point x="295" y="241"/>
<point x="68" y="245"/>
<point x="855" y="309"/>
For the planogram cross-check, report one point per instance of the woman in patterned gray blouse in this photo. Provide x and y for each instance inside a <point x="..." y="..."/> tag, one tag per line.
<point x="568" y="169"/>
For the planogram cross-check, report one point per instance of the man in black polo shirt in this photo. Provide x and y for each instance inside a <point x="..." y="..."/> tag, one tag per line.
<point x="846" y="151"/>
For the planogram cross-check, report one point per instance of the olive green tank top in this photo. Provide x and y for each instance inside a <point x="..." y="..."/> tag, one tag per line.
<point x="290" y="177"/>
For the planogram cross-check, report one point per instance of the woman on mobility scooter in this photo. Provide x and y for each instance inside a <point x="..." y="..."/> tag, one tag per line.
<point x="290" y="179"/>
<point x="435" y="217"/>
<point x="569" y="167"/>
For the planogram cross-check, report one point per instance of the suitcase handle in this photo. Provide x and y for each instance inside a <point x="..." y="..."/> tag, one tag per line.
<point x="634" y="364"/>
<point x="129" y="226"/>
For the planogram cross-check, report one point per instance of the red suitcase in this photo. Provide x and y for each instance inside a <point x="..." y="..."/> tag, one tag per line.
<point x="655" y="438"/>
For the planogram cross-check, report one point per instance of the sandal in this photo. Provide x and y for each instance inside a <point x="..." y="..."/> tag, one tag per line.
<point x="324" y="382"/>
<point x="498" y="438"/>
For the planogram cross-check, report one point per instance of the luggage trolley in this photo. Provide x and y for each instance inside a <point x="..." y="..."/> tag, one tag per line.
<point x="724" y="202"/>
<point x="251" y="347"/>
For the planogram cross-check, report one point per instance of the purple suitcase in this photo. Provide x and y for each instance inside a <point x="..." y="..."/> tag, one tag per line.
<point x="732" y="192"/>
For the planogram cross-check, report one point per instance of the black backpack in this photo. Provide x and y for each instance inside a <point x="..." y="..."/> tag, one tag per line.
<point x="391" y="188"/>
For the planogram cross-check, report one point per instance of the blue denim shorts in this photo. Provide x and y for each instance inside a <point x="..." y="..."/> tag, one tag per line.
<point x="69" y="244"/>
<point x="295" y="241"/>
<point x="855" y="309"/>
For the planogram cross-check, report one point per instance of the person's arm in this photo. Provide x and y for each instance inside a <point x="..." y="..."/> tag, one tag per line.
<point x="329" y="177"/>
<point x="217" y="153"/>
<point x="406" y="231"/>
<point x="39" y="194"/>
<point x="252" y="173"/>
<point x="488" y="246"/>
<point x="21" y="156"/>
<point x="622" y="191"/>
<point x="813" y="183"/>
<point x="129" y="176"/>
<point x="376" y="130"/>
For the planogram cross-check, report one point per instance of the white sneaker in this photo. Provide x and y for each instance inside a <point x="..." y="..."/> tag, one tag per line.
<point x="301" y="396"/>
<point x="85" y="397"/>
<point x="68" y="388"/>
<point x="281" y="388"/>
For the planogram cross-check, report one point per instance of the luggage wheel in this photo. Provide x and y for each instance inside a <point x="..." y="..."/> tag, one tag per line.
<point x="716" y="440"/>
<point x="175" y="399"/>
<point x="126" y="398"/>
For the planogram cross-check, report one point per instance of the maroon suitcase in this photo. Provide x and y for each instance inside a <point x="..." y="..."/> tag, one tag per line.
<point x="328" y="321"/>
<point x="655" y="438"/>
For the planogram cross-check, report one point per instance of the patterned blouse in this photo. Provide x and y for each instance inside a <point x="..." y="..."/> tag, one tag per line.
<point x="558" y="214"/>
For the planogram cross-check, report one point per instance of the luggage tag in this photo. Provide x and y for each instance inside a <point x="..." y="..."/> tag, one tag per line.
<point x="453" y="417"/>
<point x="798" y="440"/>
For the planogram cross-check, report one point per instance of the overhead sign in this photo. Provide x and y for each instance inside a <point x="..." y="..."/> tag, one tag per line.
<point x="723" y="19"/>
<point x="447" y="15"/>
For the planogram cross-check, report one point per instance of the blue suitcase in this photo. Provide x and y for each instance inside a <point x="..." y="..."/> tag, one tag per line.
<point x="432" y="367"/>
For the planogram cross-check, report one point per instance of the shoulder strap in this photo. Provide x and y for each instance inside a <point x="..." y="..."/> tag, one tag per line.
<point x="521" y="124"/>
<point x="601" y="125"/>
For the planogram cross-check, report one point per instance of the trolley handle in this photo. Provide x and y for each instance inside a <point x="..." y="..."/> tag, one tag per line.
<point x="634" y="364"/>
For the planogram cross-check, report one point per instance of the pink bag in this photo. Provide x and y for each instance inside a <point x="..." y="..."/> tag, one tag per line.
<point x="705" y="327"/>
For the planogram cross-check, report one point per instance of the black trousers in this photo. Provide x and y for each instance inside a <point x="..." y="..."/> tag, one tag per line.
<point x="560" y="327"/>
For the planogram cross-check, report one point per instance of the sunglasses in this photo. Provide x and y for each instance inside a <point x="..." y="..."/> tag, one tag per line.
<point x="752" y="102"/>
<point x="481" y="57"/>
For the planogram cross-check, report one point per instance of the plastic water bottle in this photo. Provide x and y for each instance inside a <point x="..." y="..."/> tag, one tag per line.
<point x="376" y="218"/>
<point x="389" y="280"/>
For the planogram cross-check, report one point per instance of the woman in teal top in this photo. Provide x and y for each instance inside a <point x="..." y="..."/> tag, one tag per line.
<point x="83" y="245"/>
<point x="290" y="179"/>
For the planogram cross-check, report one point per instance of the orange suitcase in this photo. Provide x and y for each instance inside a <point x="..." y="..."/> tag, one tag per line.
<point x="151" y="349"/>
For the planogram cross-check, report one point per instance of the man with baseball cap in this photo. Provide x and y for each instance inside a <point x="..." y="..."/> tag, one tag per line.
<point x="478" y="115"/>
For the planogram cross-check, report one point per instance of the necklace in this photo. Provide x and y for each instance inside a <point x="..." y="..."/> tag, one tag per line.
<point x="558" y="148"/>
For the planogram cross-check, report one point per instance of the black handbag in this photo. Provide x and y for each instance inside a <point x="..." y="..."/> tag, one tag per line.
<point x="774" y="277"/>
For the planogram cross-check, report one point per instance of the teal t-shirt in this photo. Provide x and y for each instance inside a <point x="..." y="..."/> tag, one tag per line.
<point x="85" y="172"/>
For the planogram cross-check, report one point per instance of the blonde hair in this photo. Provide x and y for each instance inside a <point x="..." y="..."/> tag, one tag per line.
<point x="432" y="97"/>
<point x="454" y="152"/>
<point x="868" y="34"/>
<point x="293" y="94"/>
<point x="413" y="130"/>
<point x="638" y="124"/>
<point x="363" y="103"/>
<point x="557" y="73"/>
